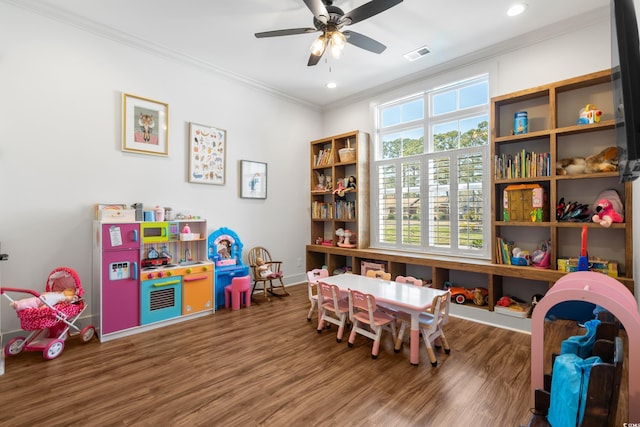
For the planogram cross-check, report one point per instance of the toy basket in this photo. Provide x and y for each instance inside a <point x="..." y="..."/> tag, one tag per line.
<point x="347" y="154"/>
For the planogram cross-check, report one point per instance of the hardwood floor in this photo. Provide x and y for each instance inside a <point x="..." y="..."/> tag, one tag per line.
<point x="266" y="366"/>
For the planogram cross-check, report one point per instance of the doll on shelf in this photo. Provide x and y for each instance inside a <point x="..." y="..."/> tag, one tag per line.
<point x="351" y="183"/>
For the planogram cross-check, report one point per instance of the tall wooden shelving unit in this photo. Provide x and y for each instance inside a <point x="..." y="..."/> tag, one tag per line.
<point x="329" y="210"/>
<point x="553" y="111"/>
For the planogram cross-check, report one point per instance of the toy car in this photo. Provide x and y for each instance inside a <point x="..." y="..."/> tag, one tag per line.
<point x="460" y="295"/>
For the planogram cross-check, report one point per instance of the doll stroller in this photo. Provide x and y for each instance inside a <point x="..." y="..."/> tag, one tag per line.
<point x="50" y="324"/>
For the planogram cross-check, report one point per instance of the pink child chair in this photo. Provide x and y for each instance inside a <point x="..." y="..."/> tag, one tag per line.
<point x="410" y="280"/>
<point x="239" y="286"/>
<point x="312" y="278"/>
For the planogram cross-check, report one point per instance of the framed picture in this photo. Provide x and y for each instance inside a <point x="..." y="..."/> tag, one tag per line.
<point x="253" y="180"/>
<point x="145" y="125"/>
<point x="207" y="150"/>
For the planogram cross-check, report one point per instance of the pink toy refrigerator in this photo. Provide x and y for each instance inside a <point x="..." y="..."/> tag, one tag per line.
<point x="119" y="252"/>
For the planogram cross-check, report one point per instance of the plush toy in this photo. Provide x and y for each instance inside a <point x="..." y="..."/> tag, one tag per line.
<point x="608" y="208"/>
<point x="51" y="298"/>
<point x="604" y="161"/>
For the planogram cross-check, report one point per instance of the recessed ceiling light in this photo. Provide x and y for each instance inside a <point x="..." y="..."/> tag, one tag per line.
<point x="331" y="85"/>
<point x="517" y="9"/>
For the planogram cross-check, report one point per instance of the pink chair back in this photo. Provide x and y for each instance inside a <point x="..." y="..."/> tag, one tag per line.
<point x="328" y="294"/>
<point x="316" y="274"/>
<point x="379" y="274"/>
<point x="410" y="280"/>
<point x="361" y="302"/>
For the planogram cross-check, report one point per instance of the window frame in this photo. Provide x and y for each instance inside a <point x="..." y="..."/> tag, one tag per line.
<point x="428" y="122"/>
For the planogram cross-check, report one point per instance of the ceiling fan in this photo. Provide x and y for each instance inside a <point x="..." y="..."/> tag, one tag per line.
<point x="329" y="20"/>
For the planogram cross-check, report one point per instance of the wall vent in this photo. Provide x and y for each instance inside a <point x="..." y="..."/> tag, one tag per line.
<point x="417" y="54"/>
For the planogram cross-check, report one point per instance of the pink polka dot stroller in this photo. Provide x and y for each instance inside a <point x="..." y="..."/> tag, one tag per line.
<point x="50" y="315"/>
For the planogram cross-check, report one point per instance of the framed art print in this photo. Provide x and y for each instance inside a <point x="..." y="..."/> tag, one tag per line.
<point x="253" y="180"/>
<point x="207" y="151"/>
<point x="145" y="125"/>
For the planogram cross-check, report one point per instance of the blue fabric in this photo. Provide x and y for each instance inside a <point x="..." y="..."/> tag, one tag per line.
<point x="569" y="385"/>
<point x="581" y="345"/>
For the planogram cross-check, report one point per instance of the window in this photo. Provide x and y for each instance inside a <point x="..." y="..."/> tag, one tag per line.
<point x="430" y="192"/>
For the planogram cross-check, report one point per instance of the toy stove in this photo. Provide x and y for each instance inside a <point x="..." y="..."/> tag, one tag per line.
<point x="161" y="289"/>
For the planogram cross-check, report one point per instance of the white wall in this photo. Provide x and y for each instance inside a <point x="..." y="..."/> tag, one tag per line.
<point x="60" y="136"/>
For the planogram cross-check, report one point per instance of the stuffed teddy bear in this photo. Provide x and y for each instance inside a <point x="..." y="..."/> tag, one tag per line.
<point x="51" y="298"/>
<point x="608" y="209"/>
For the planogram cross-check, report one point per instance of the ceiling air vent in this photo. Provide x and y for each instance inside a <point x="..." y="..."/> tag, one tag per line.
<point x="416" y="54"/>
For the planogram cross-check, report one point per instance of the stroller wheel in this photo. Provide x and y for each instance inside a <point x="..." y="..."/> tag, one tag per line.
<point x="14" y="346"/>
<point x="87" y="333"/>
<point x="53" y="349"/>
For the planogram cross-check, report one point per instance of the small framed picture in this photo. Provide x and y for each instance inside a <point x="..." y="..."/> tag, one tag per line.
<point x="145" y="125"/>
<point x="253" y="180"/>
<point x="207" y="149"/>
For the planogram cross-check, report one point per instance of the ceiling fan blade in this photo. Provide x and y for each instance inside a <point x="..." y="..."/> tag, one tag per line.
<point x="368" y="10"/>
<point x="318" y="9"/>
<point x="314" y="59"/>
<point x="289" y="32"/>
<point x="364" y="42"/>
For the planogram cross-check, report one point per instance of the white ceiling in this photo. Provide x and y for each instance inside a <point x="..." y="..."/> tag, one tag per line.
<point x="219" y="35"/>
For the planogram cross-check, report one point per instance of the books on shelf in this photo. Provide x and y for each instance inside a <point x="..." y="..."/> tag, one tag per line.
<point x="345" y="209"/>
<point x="525" y="164"/>
<point x="323" y="157"/>
<point x="339" y="210"/>
<point x="322" y="210"/>
<point x="504" y="249"/>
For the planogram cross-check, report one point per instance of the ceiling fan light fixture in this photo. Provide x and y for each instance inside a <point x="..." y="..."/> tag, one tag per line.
<point x="336" y="51"/>
<point x="338" y="39"/>
<point x="318" y="46"/>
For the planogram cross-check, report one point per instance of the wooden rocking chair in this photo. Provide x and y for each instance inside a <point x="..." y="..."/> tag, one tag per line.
<point x="265" y="271"/>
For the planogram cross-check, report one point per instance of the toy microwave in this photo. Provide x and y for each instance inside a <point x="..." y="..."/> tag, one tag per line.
<point x="154" y="232"/>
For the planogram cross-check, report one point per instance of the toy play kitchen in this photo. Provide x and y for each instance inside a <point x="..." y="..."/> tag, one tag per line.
<point x="149" y="274"/>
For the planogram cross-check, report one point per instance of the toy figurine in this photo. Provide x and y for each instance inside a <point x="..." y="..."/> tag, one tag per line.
<point x="327" y="183"/>
<point x="589" y="114"/>
<point x="321" y="181"/>
<point x="351" y="183"/>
